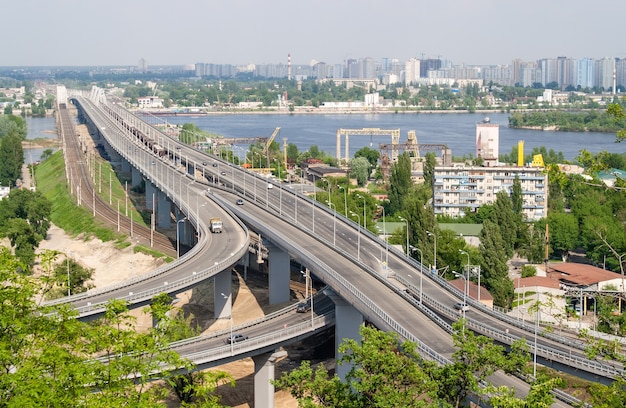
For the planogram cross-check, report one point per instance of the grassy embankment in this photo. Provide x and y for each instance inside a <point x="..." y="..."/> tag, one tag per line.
<point x="75" y="220"/>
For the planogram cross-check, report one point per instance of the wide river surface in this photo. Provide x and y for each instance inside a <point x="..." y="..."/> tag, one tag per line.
<point x="456" y="130"/>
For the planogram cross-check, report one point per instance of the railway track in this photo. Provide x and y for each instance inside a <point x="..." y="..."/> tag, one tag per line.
<point x="80" y="186"/>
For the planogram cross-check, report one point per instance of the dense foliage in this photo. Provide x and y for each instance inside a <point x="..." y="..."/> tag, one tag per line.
<point x="50" y="358"/>
<point x="384" y="372"/>
<point x="25" y="220"/>
<point x="588" y="121"/>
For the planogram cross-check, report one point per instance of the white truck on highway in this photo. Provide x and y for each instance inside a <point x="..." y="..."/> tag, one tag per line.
<point x="215" y="224"/>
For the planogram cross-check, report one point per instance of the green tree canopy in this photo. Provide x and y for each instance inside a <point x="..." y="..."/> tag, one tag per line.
<point x="494" y="270"/>
<point x="359" y="169"/>
<point x="11" y="159"/>
<point x="399" y="183"/>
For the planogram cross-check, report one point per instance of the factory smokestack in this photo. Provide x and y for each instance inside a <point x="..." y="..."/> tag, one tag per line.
<point x="289" y="66"/>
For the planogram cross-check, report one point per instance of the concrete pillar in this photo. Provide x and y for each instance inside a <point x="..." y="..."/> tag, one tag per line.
<point x="182" y="225"/>
<point x="191" y="169"/>
<point x="348" y="321"/>
<point x="136" y="177"/>
<point x="278" y="274"/>
<point x="263" y="376"/>
<point x="245" y="261"/>
<point x="150" y="195"/>
<point x="222" y="293"/>
<point x="164" y="209"/>
<point x="125" y="166"/>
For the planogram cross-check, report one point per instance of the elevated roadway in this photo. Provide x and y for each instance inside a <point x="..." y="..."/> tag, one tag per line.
<point x="329" y="245"/>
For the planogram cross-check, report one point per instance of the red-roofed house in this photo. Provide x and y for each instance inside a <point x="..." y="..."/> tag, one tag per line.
<point x="585" y="276"/>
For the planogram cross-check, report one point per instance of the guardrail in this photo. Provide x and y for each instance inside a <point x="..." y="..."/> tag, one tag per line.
<point x="343" y="287"/>
<point x="178" y="284"/>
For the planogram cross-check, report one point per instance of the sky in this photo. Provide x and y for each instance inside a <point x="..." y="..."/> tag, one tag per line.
<point x="179" y="32"/>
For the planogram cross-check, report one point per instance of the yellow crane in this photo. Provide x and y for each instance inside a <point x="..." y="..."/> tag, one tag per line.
<point x="266" y="149"/>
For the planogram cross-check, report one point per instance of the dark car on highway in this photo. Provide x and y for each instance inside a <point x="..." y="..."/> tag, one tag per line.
<point x="303" y="307"/>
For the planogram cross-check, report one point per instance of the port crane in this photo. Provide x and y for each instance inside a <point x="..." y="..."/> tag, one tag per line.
<point x="266" y="149"/>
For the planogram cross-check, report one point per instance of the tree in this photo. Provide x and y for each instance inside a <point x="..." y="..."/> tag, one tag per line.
<point x="504" y="216"/>
<point x="494" y="270"/>
<point x="359" y="169"/>
<point x="77" y="274"/>
<point x="563" y="232"/>
<point x="429" y="169"/>
<point x="11" y="159"/>
<point x="384" y="373"/>
<point x="399" y="183"/>
<point x="616" y="111"/>
<point x="47" y="355"/>
<point x="421" y="219"/>
<point x="371" y="155"/>
<point x="24" y="219"/>
<point x="517" y="200"/>
<point x="475" y="359"/>
<point x="387" y="373"/>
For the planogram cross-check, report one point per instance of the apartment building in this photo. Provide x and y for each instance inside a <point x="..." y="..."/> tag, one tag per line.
<point x="456" y="188"/>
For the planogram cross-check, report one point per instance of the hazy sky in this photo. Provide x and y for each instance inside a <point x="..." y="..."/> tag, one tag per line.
<point x="174" y="32"/>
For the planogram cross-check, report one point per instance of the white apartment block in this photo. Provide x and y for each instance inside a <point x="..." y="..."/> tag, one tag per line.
<point x="458" y="187"/>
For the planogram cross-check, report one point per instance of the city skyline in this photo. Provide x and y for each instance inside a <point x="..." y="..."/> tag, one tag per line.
<point x="73" y="33"/>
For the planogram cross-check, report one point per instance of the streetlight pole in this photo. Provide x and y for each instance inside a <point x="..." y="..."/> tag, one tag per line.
<point x="230" y="317"/>
<point x="358" y="251"/>
<point x="345" y="201"/>
<point x="386" y="240"/>
<point x="536" y="329"/>
<point x="331" y="205"/>
<point x="364" y="215"/>
<point x="435" y="250"/>
<point x="421" y="269"/>
<point x="309" y="280"/>
<point x="464" y="291"/>
<point x="178" y="237"/>
<point x="407" y="235"/>
<point x="280" y="192"/>
<point x="468" y="268"/>
<point x="69" y="290"/>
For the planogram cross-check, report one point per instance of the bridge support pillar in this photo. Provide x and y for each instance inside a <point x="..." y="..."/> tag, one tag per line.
<point x="125" y="166"/>
<point x="245" y="261"/>
<point x="191" y="169"/>
<point x="278" y="265"/>
<point x="222" y="295"/>
<point x="263" y="376"/>
<point x="164" y="208"/>
<point x="183" y="230"/>
<point x="150" y="196"/>
<point x="348" y="321"/>
<point x="135" y="177"/>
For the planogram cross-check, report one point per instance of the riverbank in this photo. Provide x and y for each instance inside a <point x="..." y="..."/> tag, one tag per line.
<point x="310" y="111"/>
<point x="40" y="143"/>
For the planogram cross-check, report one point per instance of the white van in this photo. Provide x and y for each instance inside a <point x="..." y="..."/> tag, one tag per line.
<point x="270" y="185"/>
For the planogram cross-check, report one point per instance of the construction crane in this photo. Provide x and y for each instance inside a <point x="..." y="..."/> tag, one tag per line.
<point x="266" y="149"/>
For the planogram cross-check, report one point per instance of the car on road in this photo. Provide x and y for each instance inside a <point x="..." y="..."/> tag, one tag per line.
<point x="303" y="307"/>
<point x="270" y="185"/>
<point x="223" y="173"/>
<point x="463" y="307"/>
<point x="204" y="163"/>
<point x="239" y="201"/>
<point x="214" y="164"/>
<point x="236" y="338"/>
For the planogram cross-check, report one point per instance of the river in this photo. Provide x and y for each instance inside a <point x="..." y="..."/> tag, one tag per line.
<point x="456" y="130"/>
